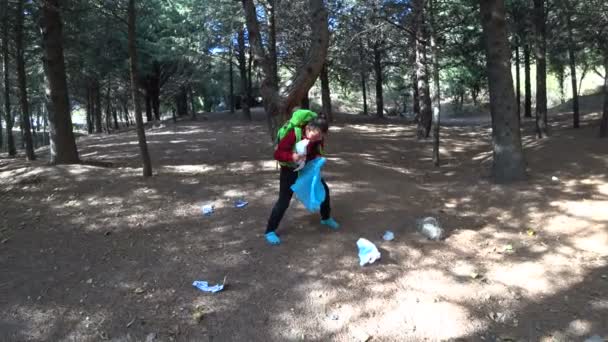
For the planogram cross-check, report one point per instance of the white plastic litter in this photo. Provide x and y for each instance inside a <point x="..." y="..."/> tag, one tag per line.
<point x="368" y="252"/>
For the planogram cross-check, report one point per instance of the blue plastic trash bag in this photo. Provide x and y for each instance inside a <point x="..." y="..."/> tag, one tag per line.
<point x="204" y="286"/>
<point x="368" y="253"/>
<point x="308" y="188"/>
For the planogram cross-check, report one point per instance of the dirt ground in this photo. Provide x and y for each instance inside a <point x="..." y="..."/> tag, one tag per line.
<point x="94" y="252"/>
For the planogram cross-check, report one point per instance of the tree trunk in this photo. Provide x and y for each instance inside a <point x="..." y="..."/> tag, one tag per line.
<point x="415" y="95"/>
<point x="528" y="83"/>
<point x="21" y="80"/>
<point x="517" y="80"/>
<point x="436" y="85"/>
<point x="108" y="109"/>
<point x="63" y="144"/>
<point x="280" y="105"/>
<point x="561" y="79"/>
<point x="572" y="62"/>
<point x="509" y="163"/>
<point x="305" y="102"/>
<point x="378" y="73"/>
<point x="10" y="140"/>
<point x="148" y="92"/>
<point x="231" y="79"/>
<point x="250" y="78"/>
<point x="541" y="68"/>
<point x="90" y="107"/>
<point x="242" y="59"/>
<point x="272" y="44"/>
<point x="364" y="89"/>
<point x="422" y="74"/>
<point x="155" y="91"/>
<point x="141" y="134"/>
<point x="126" y="113"/>
<point x="191" y="96"/>
<point x="115" y="117"/>
<point x="181" y="102"/>
<point x="97" y="96"/>
<point x="325" y="94"/>
<point x="604" y="122"/>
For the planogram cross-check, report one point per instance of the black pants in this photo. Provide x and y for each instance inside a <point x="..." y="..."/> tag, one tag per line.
<point x="288" y="178"/>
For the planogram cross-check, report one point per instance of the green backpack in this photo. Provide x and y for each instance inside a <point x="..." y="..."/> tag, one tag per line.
<point x="299" y="119"/>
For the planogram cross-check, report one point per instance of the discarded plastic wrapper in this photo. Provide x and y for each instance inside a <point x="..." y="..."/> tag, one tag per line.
<point x="308" y="187"/>
<point x="301" y="147"/>
<point x="368" y="253"/>
<point x="430" y="227"/>
<point x="204" y="286"/>
<point x="240" y="203"/>
<point x="207" y="209"/>
<point x="388" y="235"/>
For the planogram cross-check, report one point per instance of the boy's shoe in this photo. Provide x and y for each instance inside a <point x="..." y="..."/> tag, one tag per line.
<point x="331" y="223"/>
<point x="272" y="238"/>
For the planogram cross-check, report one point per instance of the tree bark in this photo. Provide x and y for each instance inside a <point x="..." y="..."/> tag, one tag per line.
<point x="141" y="134"/>
<point x="97" y="97"/>
<point x="242" y="59"/>
<point x="364" y="90"/>
<point x="305" y="102"/>
<point x="155" y="90"/>
<point x="231" y="80"/>
<point x="378" y="73"/>
<point x="63" y="143"/>
<point x="572" y="63"/>
<point x="108" y="109"/>
<point x="517" y="80"/>
<point x="192" y="105"/>
<point x="280" y="105"/>
<point x="148" y="92"/>
<point x="22" y="82"/>
<point x="325" y="94"/>
<point x="422" y="72"/>
<point x="415" y="95"/>
<point x="272" y="44"/>
<point x="90" y="107"/>
<point x="528" y="83"/>
<point x="10" y="140"/>
<point x="541" y="68"/>
<point x="508" y="157"/>
<point x="436" y="85"/>
<point x="604" y="121"/>
<point x="560" y="74"/>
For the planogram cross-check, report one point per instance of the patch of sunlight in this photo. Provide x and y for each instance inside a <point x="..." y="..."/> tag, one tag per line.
<point x="482" y="156"/>
<point x="579" y="327"/>
<point x="189" y="132"/>
<point x="38" y="321"/>
<point x="550" y="274"/>
<point x="397" y="169"/>
<point x="190" y="169"/>
<point x="586" y="209"/>
<point x="236" y="167"/>
<point x="236" y="193"/>
<point x="599" y="304"/>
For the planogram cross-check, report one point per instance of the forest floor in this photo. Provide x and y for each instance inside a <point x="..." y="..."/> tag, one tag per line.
<point x="95" y="252"/>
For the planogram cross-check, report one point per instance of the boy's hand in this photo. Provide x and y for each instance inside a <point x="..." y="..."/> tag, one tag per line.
<point x="298" y="157"/>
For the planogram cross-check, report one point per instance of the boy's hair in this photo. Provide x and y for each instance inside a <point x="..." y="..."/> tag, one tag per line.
<point x="319" y="123"/>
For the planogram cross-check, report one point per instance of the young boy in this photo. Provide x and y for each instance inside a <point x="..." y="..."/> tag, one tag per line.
<point x="285" y="153"/>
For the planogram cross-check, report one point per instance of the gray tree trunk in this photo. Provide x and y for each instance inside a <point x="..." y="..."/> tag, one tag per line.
<point x="509" y="163"/>
<point x="10" y="140"/>
<point x="63" y="143"/>
<point x="22" y="82"/>
<point x="141" y="134"/>
<point x="325" y="94"/>
<point x="541" y="68"/>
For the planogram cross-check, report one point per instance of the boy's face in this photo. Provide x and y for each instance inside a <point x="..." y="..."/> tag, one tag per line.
<point x="314" y="134"/>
